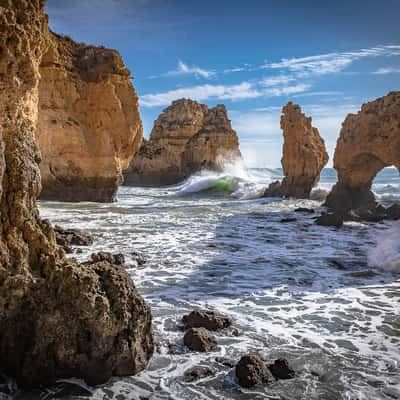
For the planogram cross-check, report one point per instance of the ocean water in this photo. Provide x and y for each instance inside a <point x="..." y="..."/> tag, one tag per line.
<point x="328" y="300"/>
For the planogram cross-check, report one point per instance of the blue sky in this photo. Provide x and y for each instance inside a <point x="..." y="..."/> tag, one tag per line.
<point x="253" y="56"/>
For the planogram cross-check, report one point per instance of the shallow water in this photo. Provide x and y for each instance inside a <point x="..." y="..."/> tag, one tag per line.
<point x="339" y="327"/>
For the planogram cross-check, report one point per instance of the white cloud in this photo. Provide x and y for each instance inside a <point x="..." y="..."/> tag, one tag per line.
<point x="185" y="69"/>
<point x="287" y="90"/>
<point x="384" y="71"/>
<point x="244" y="90"/>
<point x="277" y="80"/>
<point x="330" y="62"/>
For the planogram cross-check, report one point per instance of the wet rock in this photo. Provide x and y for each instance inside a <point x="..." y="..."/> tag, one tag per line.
<point x="305" y="210"/>
<point x="337" y="265"/>
<point x="139" y="258"/>
<point x="273" y="190"/>
<point x="364" y="274"/>
<point x="116" y="259"/>
<point x="280" y="369"/>
<point x="393" y="211"/>
<point x="199" y="339"/>
<point x="286" y="220"/>
<point x="70" y="388"/>
<point x="251" y="370"/>
<point x="71" y="237"/>
<point x="211" y="320"/>
<point x="330" y="220"/>
<point x="198" y="372"/>
<point x="225" y="361"/>
<point x="374" y="214"/>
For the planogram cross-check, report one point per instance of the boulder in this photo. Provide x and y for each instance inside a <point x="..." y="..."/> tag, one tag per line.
<point x="58" y="319"/>
<point x="89" y="125"/>
<point x="186" y="137"/>
<point x="199" y="339"/>
<point x="280" y="369"/>
<point x="251" y="370"/>
<point x="393" y="212"/>
<point x="211" y="320"/>
<point x="198" y="372"/>
<point x="71" y="237"/>
<point x="116" y="259"/>
<point x="369" y="141"/>
<point x="330" y="220"/>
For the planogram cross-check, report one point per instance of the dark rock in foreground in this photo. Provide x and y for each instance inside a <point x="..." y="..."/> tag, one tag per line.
<point x="117" y="259"/>
<point x="280" y="369"/>
<point x="330" y="220"/>
<point x="251" y="370"/>
<point x="305" y="210"/>
<point x="199" y="339"/>
<point x="198" y="372"/>
<point x="208" y="319"/>
<point x="71" y="237"/>
<point x="393" y="211"/>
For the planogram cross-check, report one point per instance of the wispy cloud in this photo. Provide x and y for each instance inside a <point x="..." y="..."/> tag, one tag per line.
<point x="384" y="71"/>
<point x="244" y="90"/>
<point x="185" y="69"/>
<point x="277" y="80"/>
<point x="330" y="62"/>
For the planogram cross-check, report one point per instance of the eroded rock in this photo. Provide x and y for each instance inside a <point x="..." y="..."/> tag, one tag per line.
<point x="58" y="319"/>
<point x="211" y="320"/>
<point x="251" y="370"/>
<point x="185" y="138"/>
<point x="199" y="339"/>
<point x="89" y="125"/>
<point x="280" y="369"/>
<point x="117" y="259"/>
<point x="304" y="155"/>
<point x="71" y="237"/>
<point x="369" y="141"/>
<point x="198" y="372"/>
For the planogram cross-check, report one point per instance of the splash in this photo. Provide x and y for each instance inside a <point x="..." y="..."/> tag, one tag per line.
<point x="386" y="253"/>
<point x="233" y="178"/>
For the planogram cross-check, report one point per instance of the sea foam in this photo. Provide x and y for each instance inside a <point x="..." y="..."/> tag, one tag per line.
<point x="386" y="253"/>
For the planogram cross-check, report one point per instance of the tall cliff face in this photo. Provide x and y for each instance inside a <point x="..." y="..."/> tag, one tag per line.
<point x="304" y="154"/>
<point x="368" y="142"/>
<point x="186" y="137"/>
<point x="57" y="319"/>
<point x="89" y="124"/>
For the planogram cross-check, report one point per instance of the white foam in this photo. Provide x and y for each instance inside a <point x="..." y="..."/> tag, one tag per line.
<point x="386" y="253"/>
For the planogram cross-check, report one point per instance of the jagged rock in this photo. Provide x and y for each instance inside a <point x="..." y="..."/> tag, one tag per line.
<point x="71" y="237"/>
<point x="186" y="137"/>
<point x="304" y="155"/>
<point x="198" y="372"/>
<point x="251" y="370"/>
<point x="280" y="369"/>
<point x="208" y="319"/>
<point x="199" y="339"/>
<point x="368" y="142"/>
<point x="331" y="219"/>
<point x="58" y="319"/>
<point x="393" y="212"/>
<point x="89" y="125"/>
<point x="117" y="259"/>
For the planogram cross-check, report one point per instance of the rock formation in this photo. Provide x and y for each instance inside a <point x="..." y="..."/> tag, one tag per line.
<point x="57" y="319"/>
<point x="186" y="137"/>
<point x="89" y="124"/>
<point x="369" y="141"/>
<point x="304" y="155"/>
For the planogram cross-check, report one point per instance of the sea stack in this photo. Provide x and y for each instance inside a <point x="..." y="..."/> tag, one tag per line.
<point x="89" y="125"/>
<point x="58" y="319"/>
<point x="304" y="155"/>
<point x="369" y="141"/>
<point x="186" y="137"/>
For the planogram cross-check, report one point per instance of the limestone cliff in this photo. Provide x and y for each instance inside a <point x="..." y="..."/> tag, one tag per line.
<point x="89" y="124"/>
<point x="368" y="142"/>
<point x="57" y="319"/>
<point x="186" y="137"/>
<point x="304" y="154"/>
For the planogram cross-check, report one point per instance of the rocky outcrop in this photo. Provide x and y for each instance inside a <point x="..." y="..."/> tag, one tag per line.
<point x="89" y="125"/>
<point x="57" y="319"/>
<point x="369" y="141"/>
<point x="211" y="320"/>
<point x="186" y="137"/>
<point x="304" y="155"/>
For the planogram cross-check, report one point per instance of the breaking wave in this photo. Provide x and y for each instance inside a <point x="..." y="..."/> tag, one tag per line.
<point x="234" y="179"/>
<point x="386" y="253"/>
